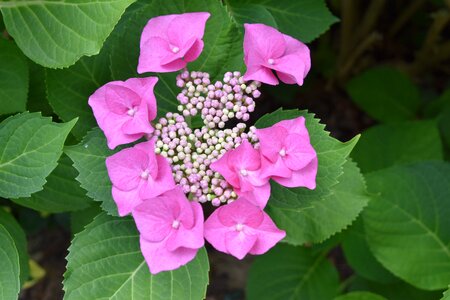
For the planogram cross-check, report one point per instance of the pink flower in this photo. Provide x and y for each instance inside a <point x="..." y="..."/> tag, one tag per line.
<point x="124" y="109"/>
<point x="288" y="155"/>
<point x="169" y="42"/>
<point x="267" y="49"/>
<point x="241" y="168"/>
<point x="171" y="229"/>
<point x="138" y="174"/>
<point x="240" y="227"/>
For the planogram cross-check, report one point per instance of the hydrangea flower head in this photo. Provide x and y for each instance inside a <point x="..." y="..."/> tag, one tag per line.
<point x="289" y="158"/>
<point x="124" y="109"/>
<point x="240" y="228"/>
<point x="266" y="50"/>
<point x="169" y="42"/>
<point x="163" y="181"/>
<point x="137" y="174"/>
<point x="171" y="229"/>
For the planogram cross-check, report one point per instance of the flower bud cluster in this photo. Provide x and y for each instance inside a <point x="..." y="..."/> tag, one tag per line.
<point x="218" y="102"/>
<point x="190" y="153"/>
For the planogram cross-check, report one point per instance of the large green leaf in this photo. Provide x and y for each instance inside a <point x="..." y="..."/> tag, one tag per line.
<point x="13" y="78"/>
<point x="61" y="193"/>
<point x="68" y="90"/>
<point x="55" y="33"/>
<point x="314" y="215"/>
<point x="383" y="146"/>
<point x="407" y="223"/>
<point x="359" y="256"/>
<point x="385" y="94"/>
<point x="105" y="262"/>
<point x="89" y="159"/>
<point x="37" y="94"/>
<point x="302" y="19"/>
<point x="288" y="272"/>
<point x="360" y="296"/>
<point x="393" y="291"/>
<point x="30" y="146"/>
<point x="20" y="241"/>
<point x="9" y="266"/>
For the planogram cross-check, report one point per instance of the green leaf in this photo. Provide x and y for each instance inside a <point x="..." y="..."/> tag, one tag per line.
<point x="360" y="258"/>
<point x="393" y="291"/>
<point x="446" y="295"/>
<point x="288" y="272"/>
<point x="30" y="146"/>
<point x="105" y="262"/>
<point x="69" y="89"/>
<point x="56" y="34"/>
<point x="386" y="94"/>
<point x="435" y="107"/>
<point x="61" y="193"/>
<point x="89" y="159"/>
<point x="223" y="41"/>
<point x="37" y="95"/>
<point x="315" y="215"/>
<point x="360" y="296"/>
<point x="13" y="78"/>
<point x="407" y="223"/>
<point x="383" y="146"/>
<point x="302" y="19"/>
<point x="20" y="242"/>
<point x="80" y="219"/>
<point x="9" y="266"/>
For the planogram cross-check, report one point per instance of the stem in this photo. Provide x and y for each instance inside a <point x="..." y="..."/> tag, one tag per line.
<point x="405" y="16"/>
<point x="370" y="18"/>
<point x="349" y="17"/>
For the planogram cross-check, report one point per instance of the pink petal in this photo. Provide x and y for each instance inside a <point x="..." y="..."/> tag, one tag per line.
<point x="161" y="182"/>
<point x="153" y="52"/>
<point x="271" y="141"/>
<point x="126" y="201"/>
<point x="258" y="196"/>
<point x="290" y="69"/>
<point x="244" y="157"/>
<point x="194" y="51"/>
<point x="153" y="219"/>
<point x="279" y="168"/>
<point x="260" y="73"/>
<point x="187" y="26"/>
<point x="268" y="236"/>
<point x="299" y="49"/>
<point x="145" y="88"/>
<point x="125" y="168"/>
<point x="240" y="211"/>
<point x="265" y="40"/>
<point x="160" y="259"/>
<point x="305" y="177"/>
<point x="239" y="243"/>
<point x="296" y="125"/>
<point x="221" y="166"/>
<point x="215" y="231"/>
<point x="120" y="99"/>
<point x="299" y="151"/>
<point x="188" y="237"/>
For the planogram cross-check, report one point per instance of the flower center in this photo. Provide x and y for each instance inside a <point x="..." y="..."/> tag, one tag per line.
<point x="132" y="111"/>
<point x="271" y="61"/>
<point x="144" y="174"/>
<point x="282" y="152"/>
<point x="175" y="224"/>
<point x="239" y="227"/>
<point x="175" y="49"/>
<point x="244" y="172"/>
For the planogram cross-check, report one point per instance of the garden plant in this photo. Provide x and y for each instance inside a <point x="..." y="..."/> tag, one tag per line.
<point x="237" y="149"/>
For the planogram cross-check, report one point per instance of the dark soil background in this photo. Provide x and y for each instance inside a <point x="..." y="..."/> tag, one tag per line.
<point x="410" y="35"/>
